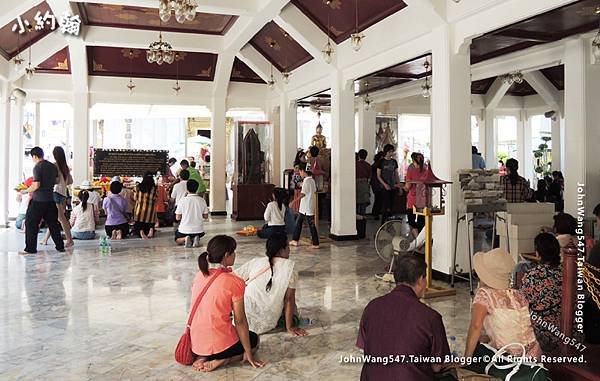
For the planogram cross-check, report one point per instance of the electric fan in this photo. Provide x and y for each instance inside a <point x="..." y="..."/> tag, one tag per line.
<point x="393" y="239"/>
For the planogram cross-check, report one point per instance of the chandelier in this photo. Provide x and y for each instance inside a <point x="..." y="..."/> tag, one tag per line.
<point x="130" y="85"/>
<point x="328" y="49"/>
<point x="160" y="51"/>
<point x="271" y="81"/>
<point x="184" y="10"/>
<point x="367" y="100"/>
<point x="426" y="87"/>
<point x="356" y="37"/>
<point x="512" y="77"/>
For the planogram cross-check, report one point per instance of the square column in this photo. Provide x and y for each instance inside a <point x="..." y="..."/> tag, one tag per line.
<point x="367" y="129"/>
<point x="556" y="143"/>
<point x="288" y="134"/>
<point x="489" y="139"/>
<point x="582" y="132"/>
<point x="15" y="148"/>
<point x="451" y="140"/>
<point x="5" y="187"/>
<point x="81" y="141"/>
<point x="343" y="175"/>
<point x="218" y="157"/>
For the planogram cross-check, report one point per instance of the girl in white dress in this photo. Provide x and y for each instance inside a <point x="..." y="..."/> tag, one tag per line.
<point x="271" y="288"/>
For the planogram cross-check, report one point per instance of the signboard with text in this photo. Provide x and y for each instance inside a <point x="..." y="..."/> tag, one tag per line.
<point x="129" y="162"/>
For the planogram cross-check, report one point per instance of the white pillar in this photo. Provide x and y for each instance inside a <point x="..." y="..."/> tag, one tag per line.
<point x="81" y="139"/>
<point x="521" y="141"/>
<point x="5" y="187"/>
<point x="288" y="132"/>
<point x="37" y="132"/>
<point x="490" y="138"/>
<point x="528" y="149"/>
<point x="582" y="132"/>
<point x="218" y="157"/>
<point x="15" y="149"/>
<point x="343" y="176"/>
<point x="556" y="142"/>
<point x="366" y="129"/>
<point x="451" y="138"/>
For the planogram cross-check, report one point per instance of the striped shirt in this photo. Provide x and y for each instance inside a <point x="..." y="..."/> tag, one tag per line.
<point x="520" y="192"/>
<point x="145" y="210"/>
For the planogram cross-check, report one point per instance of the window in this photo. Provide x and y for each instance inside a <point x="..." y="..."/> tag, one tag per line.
<point x="414" y="133"/>
<point x="541" y="134"/>
<point x="307" y="123"/>
<point x="507" y="137"/>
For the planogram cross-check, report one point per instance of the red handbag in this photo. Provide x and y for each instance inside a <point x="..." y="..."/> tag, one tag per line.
<point x="183" y="351"/>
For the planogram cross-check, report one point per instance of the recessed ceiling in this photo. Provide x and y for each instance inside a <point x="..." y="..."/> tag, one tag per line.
<point x="58" y="63"/>
<point x="11" y="42"/>
<point x="321" y="100"/>
<point x="279" y="48"/>
<point x="578" y="17"/>
<point x="554" y="74"/>
<point x="406" y="71"/>
<point x="124" y="16"/>
<point x="482" y="86"/>
<point x="240" y="72"/>
<point x="114" y="62"/>
<point x="341" y="14"/>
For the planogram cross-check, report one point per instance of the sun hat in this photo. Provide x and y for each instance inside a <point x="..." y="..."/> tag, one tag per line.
<point x="494" y="268"/>
<point x="85" y="185"/>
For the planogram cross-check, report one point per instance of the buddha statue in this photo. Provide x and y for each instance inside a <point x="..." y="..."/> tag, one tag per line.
<point x="319" y="140"/>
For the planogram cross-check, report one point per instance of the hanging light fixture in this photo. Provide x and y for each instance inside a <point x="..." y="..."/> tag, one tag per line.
<point x="426" y="87"/>
<point x="177" y="88"/>
<point x="271" y="81"/>
<point x="285" y="74"/>
<point x="328" y="50"/>
<point x="367" y="100"/>
<point x="596" y="41"/>
<point x="185" y="10"/>
<point x="512" y="77"/>
<point x="130" y="85"/>
<point x="29" y="70"/>
<point x="18" y="60"/>
<point x="356" y="37"/>
<point x="160" y="52"/>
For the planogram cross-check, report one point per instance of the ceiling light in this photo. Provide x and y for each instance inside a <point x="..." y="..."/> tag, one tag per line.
<point x="512" y="77"/>
<point x="131" y="86"/>
<point x="328" y="49"/>
<point x="356" y="37"/>
<point x="185" y="10"/>
<point x="426" y="87"/>
<point x="177" y="88"/>
<point x="29" y="70"/>
<point x="286" y="77"/>
<point x="271" y="81"/>
<point x="368" y="102"/>
<point x="160" y="51"/>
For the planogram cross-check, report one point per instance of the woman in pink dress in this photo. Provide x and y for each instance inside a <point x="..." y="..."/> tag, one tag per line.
<point x="415" y="172"/>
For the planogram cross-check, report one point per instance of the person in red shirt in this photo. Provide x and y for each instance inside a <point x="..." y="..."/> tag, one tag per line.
<point x="400" y="326"/>
<point x="416" y="171"/>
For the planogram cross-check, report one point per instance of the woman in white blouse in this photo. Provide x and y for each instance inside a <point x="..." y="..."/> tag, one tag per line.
<point x="274" y="215"/>
<point x="84" y="218"/>
<point x="271" y="288"/>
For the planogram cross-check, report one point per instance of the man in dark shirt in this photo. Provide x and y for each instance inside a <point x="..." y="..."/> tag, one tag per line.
<point x="363" y="191"/>
<point x="387" y="174"/>
<point x="42" y="205"/>
<point x="399" y="325"/>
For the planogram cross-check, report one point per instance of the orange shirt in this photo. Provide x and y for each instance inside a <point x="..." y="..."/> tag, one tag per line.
<point x="161" y="199"/>
<point x="212" y="330"/>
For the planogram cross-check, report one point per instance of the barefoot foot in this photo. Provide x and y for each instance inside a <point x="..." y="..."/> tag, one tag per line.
<point x="209" y="366"/>
<point x="199" y="363"/>
<point x="293" y="243"/>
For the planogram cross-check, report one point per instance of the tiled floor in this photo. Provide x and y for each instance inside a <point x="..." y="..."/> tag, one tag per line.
<point x="89" y="316"/>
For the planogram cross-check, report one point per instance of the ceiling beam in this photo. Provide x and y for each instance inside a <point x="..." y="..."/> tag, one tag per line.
<point x="140" y="39"/>
<point x="222" y="75"/>
<point x="40" y="51"/>
<point x="398" y="92"/>
<point x="225" y="7"/>
<point x="525" y="35"/>
<point x="259" y="64"/>
<point x="303" y="30"/>
<point x="546" y="90"/>
<point x="495" y="94"/>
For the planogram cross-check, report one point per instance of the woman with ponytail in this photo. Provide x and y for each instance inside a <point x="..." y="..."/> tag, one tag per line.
<point x="215" y="340"/>
<point x="271" y="288"/>
<point x="84" y="218"/>
<point x="516" y="188"/>
<point x="274" y="215"/>
<point x="60" y="194"/>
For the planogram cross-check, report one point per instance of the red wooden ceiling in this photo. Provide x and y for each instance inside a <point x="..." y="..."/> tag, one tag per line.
<point x="285" y="54"/>
<point x="240" y="72"/>
<point x="342" y="14"/>
<point x="11" y="41"/>
<point x="482" y="86"/>
<point x="114" y="62"/>
<point x="124" y="16"/>
<point x="394" y="75"/>
<point x="554" y="25"/>
<point x="555" y="74"/>
<point x="58" y="63"/>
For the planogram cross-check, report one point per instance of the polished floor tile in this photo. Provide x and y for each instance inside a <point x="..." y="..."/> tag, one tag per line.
<point x="86" y="315"/>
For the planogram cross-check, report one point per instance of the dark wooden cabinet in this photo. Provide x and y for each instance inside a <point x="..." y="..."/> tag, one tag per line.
<point x="250" y="201"/>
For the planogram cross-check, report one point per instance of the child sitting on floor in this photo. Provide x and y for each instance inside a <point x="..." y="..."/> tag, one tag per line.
<point x="190" y="212"/>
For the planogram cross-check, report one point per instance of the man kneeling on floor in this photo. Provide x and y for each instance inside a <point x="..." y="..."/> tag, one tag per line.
<point x="396" y="326"/>
<point x="190" y="212"/>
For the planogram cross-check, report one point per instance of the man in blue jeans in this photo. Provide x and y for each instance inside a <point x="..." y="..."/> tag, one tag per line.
<point x="307" y="208"/>
<point x="42" y="205"/>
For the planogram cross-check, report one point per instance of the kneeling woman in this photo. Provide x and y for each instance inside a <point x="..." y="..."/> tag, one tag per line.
<point x="84" y="218"/>
<point x="215" y="340"/>
<point x="275" y="215"/>
<point x="271" y="288"/>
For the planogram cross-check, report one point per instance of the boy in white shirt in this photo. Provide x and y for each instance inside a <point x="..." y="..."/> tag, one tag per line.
<point x="307" y="208"/>
<point x="190" y="212"/>
<point x="180" y="189"/>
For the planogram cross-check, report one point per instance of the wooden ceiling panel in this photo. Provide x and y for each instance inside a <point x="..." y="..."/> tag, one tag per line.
<point x="124" y="16"/>
<point x="482" y="86"/>
<point x="11" y="42"/>
<point x="240" y="72"/>
<point x="554" y="25"/>
<point x="114" y="62"/>
<point x="342" y="14"/>
<point x="556" y="75"/>
<point x="522" y="89"/>
<point x="279" y="48"/>
<point x="403" y="72"/>
<point x="58" y="63"/>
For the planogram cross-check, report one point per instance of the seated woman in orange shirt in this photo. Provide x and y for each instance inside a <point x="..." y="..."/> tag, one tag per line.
<point x="215" y="340"/>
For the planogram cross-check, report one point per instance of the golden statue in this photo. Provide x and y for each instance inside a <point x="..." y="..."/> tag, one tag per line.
<point x="319" y="140"/>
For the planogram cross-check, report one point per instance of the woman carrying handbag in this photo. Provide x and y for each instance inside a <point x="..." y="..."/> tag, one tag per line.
<point x="211" y="340"/>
